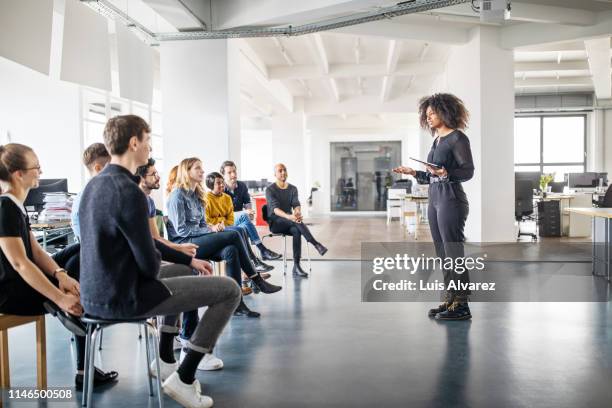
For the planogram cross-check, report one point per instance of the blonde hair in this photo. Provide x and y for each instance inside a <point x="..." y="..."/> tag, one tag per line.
<point x="171" y="180"/>
<point x="184" y="181"/>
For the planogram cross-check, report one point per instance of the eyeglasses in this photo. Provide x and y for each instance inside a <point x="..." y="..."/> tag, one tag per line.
<point x="32" y="168"/>
<point x="156" y="174"/>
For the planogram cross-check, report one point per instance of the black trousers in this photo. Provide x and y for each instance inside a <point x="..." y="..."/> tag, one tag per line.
<point x="24" y="300"/>
<point x="296" y="230"/>
<point x="447" y="212"/>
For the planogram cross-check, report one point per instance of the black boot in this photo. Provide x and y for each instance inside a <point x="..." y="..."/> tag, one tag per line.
<point x="320" y="248"/>
<point x="243" y="310"/>
<point x="268" y="255"/>
<point x="298" y="271"/>
<point x="260" y="266"/>
<point x="264" y="286"/>
<point x="100" y="378"/>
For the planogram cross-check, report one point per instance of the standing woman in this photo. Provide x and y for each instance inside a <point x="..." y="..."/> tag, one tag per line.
<point x="31" y="282"/>
<point x="445" y="116"/>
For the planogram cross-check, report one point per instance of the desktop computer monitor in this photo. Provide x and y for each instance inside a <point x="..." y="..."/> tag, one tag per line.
<point x="584" y="180"/>
<point x="36" y="195"/>
<point x="531" y="176"/>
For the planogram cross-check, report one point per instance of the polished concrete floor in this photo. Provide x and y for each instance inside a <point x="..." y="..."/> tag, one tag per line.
<point x="317" y="345"/>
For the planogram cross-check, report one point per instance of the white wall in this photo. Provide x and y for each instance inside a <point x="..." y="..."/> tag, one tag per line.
<point x="257" y="156"/>
<point x="43" y="114"/>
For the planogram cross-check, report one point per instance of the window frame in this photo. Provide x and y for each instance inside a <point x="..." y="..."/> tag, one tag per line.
<point x="541" y="164"/>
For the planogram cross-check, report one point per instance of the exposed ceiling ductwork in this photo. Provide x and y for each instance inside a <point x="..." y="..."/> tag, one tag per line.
<point x="106" y="8"/>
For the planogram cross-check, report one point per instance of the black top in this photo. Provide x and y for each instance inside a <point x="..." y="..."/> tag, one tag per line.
<point x="13" y="223"/>
<point x="454" y="154"/>
<point x="240" y="196"/>
<point x="119" y="265"/>
<point x="285" y="199"/>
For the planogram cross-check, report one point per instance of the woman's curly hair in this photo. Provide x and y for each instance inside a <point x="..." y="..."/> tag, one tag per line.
<point x="449" y="109"/>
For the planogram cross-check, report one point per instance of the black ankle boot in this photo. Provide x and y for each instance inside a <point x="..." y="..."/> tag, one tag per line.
<point x="243" y="310"/>
<point x="298" y="271"/>
<point x="100" y="378"/>
<point x="264" y="286"/>
<point x="320" y="249"/>
<point x="260" y="266"/>
<point x="268" y="255"/>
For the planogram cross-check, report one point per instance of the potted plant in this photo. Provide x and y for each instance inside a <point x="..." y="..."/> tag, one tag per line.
<point x="544" y="180"/>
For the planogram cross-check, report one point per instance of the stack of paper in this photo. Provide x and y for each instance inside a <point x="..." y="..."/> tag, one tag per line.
<point x="57" y="207"/>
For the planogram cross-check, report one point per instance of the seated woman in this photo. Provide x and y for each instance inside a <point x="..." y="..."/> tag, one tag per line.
<point x="220" y="211"/>
<point x="186" y="213"/>
<point x="30" y="279"/>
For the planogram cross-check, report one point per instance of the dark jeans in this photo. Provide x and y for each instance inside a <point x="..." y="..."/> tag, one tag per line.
<point x="23" y="300"/>
<point x="217" y="246"/>
<point x="447" y="212"/>
<point x="296" y="230"/>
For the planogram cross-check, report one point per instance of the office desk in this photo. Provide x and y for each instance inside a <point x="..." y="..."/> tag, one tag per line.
<point x="48" y="232"/>
<point x="572" y="225"/>
<point x="420" y="213"/>
<point x="602" y="235"/>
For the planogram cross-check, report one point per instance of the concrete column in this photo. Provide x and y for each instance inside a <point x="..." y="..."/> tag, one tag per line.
<point x="481" y="74"/>
<point x="201" y="102"/>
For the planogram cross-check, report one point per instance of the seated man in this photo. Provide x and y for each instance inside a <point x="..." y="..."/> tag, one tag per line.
<point x="121" y="273"/>
<point x="241" y="201"/>
<point x="219" y="209"/>
<point x="285" y="216"/>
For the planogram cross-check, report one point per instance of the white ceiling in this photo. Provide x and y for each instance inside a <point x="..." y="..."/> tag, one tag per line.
<point x="380" y="64"/>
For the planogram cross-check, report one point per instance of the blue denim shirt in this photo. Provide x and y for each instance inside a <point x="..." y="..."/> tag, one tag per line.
<point x="187" y="216"/>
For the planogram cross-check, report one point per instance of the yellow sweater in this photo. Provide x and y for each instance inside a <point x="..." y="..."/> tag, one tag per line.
<point x="219" y="208"/>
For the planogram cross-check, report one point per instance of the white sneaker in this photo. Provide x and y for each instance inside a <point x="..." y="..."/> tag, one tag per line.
<point x="166" y="368"/>
<point x="209" y="362"/>
<point x="188" y="395"/>
<point x="177" y="344"/>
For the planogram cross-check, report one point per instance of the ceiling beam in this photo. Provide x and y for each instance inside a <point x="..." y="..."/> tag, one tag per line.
<point x="561" y="82"/>
<point x="257" y="69"/>
<point x="523" y="35"/>
<point x="551" y="66"/>
<point x="393" y="54"/>
<point x="361" y="105"/>
<point x="352" y="70"/>
<point x="317" y="47"/>
<point x="435" y="33"/>
<point x="598" y="51"/>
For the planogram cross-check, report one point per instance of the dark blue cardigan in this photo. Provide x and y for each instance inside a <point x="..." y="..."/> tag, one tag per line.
<point x="119" y="262"/>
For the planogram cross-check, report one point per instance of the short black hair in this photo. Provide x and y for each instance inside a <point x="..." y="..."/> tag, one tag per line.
<point x="227" y="163"/>
<point x="210" y="179"/>
<point x="142" y="170"/>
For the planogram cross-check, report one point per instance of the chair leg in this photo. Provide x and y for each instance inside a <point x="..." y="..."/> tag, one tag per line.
<point x="86" y="366"/>
<point x="146" y="331"/>
<point x="160" y="395"/>
<point x="90" y="369"/>
<point x="5" y="374"/>
<point x="308" y="254"/>
<point x="139" y="333"/>
<point x="101" y="337"/>
<point x="285" y="256"/>
<point x="41" y="353"/>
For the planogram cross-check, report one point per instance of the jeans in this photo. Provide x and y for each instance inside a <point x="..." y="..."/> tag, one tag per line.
<point x="244" y="221"/>
<point x="219" y="293"/>
<point x="296" y="229"/>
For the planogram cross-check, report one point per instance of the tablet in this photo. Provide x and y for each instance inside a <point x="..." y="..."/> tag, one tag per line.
<point x="436" y="166"/>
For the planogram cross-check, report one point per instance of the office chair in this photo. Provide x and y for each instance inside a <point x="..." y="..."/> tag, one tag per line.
<point x="264" y="211"/>
<point x="523" y="205"/>
<point x="606" y="202"/>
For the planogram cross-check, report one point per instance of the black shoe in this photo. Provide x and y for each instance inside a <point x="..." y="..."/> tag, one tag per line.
<point x="442" y="308"/>
<point x="455" y="311"/>
<point x="100" y="378"/>
<point x="243" y="310"/>
<point x="268" y="255"/>
<point x="260" y="266"/>
<point x="320" y="249"/>
<point x="264" y="286"/>
<point x="298" y="271"/>
<point x="72" y="323"/>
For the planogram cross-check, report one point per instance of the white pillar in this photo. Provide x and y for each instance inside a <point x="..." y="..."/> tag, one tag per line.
<point x="481" y="73"/>
<point x="289" y="147"/>
<point x="201" y="102"/>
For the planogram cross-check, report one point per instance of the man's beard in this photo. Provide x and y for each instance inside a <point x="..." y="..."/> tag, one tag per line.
<point x="152" y="186"/>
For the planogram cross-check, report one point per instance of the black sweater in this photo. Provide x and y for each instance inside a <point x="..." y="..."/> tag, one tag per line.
<point x="454" y="154"/>
<point x="119" y="262"/>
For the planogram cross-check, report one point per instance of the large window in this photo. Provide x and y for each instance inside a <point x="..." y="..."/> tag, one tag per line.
<point x="550" y="144"/>
<point x="99" y="106"/>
